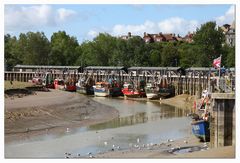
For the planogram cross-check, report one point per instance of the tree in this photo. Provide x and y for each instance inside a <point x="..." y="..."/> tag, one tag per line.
<point x="11" y="54"/>
<point x="190" y="55"/>
<point x="210" y="39"/>
<point x="63" y="49"/>
<point x="136" y="54"/>
<point x="37" y="49"/>
<point x="228" y="56"/>
<point x="170" y="56"/>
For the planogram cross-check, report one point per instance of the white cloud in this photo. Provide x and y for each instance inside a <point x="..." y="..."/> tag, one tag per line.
<point x="92" y="33"/>
<point x="25" y="18"/>
<point x="64" y="14"/>
<point x="177" y="25"/>
<point x="228" y="17"/>
<point x="172" y="25"/>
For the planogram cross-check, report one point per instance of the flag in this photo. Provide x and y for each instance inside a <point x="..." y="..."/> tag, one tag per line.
<point x="217" y="62"/>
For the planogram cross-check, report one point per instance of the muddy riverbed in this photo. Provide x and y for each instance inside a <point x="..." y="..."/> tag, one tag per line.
<point x="140" y="125"/>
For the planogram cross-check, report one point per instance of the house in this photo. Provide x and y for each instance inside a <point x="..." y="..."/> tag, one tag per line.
<point x="189" y="37"/>
<point x="148" y="38"/>
<point x="160" y="37"/>
<point x="229" y="32"/>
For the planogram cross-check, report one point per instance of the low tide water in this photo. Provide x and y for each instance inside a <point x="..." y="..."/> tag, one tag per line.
<point x="138" y="123"/>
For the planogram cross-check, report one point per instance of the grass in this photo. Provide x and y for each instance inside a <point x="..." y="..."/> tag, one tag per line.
<point x="16" y="85"/>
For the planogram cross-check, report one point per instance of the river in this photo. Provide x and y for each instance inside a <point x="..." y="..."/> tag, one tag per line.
<point x="138" y="123"/>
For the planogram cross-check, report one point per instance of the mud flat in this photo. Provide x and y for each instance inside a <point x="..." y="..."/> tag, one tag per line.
<point x="52" y="112"/>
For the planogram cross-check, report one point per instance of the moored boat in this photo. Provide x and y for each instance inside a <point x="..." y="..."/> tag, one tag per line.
<point x="84" y="88"/>
<point x="152" y="91"/>
<point x="129" y="91"/>
<point x="59" y="84"/>
<point x="166" y="89"/>
<point x="200" y="128"/>
<point x="70" y="85"/>
<point x="48" y="80"/>
<point x="101" y="89"/>
<point x="111" y="88"/>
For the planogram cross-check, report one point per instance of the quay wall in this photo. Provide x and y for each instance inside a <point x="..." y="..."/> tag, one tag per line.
<point x="189" y="84"/>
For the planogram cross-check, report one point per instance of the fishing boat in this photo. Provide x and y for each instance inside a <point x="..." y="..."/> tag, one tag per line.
<point x="111" y="88"/>
<point x="200" y="128"/>
<point x="101" y="89"/>
<point x="115" y="88"/>
<point x="129" y="91"/>
<point x="59" y="84"/>
<point x="152" y="91"/>
<point x="165" y="89"/>
<point x="48" y="80"/>
<point x="84" y="87"/>
<point x="70" y="85"/>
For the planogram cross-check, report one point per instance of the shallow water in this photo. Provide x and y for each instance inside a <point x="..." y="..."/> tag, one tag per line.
<point x="138" y="123"/>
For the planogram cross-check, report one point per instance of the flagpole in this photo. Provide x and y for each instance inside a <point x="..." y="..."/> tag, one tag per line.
<point x="220" y="66"/>
<point x="219" y="72"/>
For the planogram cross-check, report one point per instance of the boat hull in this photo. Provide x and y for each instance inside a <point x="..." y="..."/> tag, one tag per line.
<point x="201" y="130"/>
<point x="101" y="92"/>
<point x="70" y="88"/>
<point x="133" y="94"/>
<point x="152" y="95"/>
<point x="85" y="90"/>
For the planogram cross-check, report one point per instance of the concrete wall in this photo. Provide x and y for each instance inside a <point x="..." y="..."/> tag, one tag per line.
<point x="222" y="124"/>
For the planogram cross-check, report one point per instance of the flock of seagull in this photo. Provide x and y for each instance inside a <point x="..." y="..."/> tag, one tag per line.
<point x="136" y="145"/>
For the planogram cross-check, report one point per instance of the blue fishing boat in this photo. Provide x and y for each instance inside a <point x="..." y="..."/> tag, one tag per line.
<point x="200" y="129"/>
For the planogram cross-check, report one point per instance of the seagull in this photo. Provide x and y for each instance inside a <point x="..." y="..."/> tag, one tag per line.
<point x="67" y="130"/>
<point x="91" y="156"/>
<point x="185" y="141"/>
<point x="89" y="153"/>
<point x="169" y="140"/>
<point x="138" y="140"/>
<point x="113" y="146"/>
<point x="105" y="143"/>
<point x="118" y="147"/>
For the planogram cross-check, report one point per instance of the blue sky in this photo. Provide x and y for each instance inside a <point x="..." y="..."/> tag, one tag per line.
<point x="86" y="21"/>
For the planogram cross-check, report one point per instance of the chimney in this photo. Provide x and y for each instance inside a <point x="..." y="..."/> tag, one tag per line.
<point x="129" y="34"/>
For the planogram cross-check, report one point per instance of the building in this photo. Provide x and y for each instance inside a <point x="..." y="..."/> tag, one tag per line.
<point x="126" y="37"/>
<point x="229" y="32"/>
<point x="148" y="38"/>
<point x="160" y="37"/>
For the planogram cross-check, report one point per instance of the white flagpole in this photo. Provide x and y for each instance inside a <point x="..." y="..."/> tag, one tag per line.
<point x="220" y="66"/>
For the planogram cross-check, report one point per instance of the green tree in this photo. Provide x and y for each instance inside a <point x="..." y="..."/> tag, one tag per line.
<point x="170" y="56"/>
<point x="11" y="53"/>
<point x="63" y="49"/>
<point x="190" y="55"/>
<point x="210" y="39"/>
<point x="228" y="56"/>
<point x="37" y="49"/>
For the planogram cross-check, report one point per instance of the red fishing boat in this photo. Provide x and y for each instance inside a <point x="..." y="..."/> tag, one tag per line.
<point x="129" y="91"/>
<point x="59" y="84"/>
<point x="70" y="85"/>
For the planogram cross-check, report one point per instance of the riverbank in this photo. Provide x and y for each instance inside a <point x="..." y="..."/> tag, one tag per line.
<point x="52" y="112"/>
<point x="60" y="111"/>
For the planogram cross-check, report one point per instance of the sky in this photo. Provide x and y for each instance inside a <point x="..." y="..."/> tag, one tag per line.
<point x="86" y="21"/>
